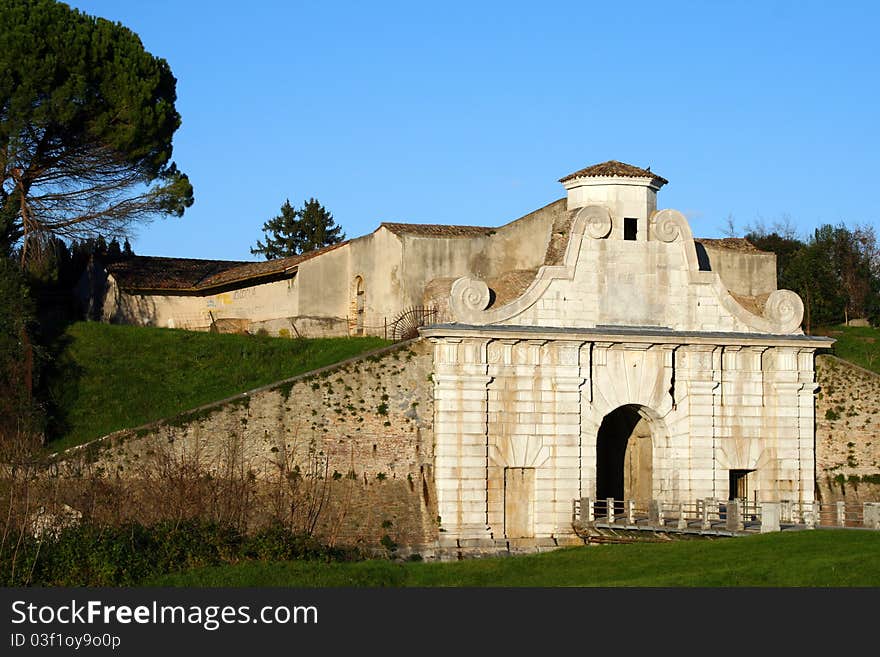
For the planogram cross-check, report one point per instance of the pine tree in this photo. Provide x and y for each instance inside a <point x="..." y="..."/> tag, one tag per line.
<point x="317" y="228"/>
<point x="281" y="234"/>
<point x="294" y="232"/>
<point x="87" y="118"/>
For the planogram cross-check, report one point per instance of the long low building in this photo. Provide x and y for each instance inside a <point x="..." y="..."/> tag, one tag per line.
<point x="391" y="281"/>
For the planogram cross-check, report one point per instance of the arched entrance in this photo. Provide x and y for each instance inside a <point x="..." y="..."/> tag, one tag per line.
<point x="624" y="455"/>
<point x="360" y="304"/>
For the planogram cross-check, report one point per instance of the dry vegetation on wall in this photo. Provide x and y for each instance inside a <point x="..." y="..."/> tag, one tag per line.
<point x="342" y="456"/>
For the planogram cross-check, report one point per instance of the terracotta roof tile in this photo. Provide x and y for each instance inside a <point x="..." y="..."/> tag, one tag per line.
<point x="730" y="244"/>
<point x="510" y="285"/>
<point x="613" y="168"/>
<point x="192" y="275"/>
<point x="437" y="230"/>
<point x="151" y="272"/>
<point x="250" y="270"/>
<point x="754" y="304"/>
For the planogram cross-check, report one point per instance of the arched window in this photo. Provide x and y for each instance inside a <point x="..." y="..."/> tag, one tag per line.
<point x="360" y="301"/>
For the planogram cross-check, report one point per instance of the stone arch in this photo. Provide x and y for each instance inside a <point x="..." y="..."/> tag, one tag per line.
<point x="627" y="443"/>
<point x="359" y="303"/>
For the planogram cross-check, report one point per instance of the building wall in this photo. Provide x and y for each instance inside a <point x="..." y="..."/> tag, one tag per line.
<point x="271" y="306"/>
<point x="322" y="285"/>
<point x="522" y="244"/>
<point x="743" y="272"/>
<point x="620" y="282"/>
<point x="522" y="390"/>
<point x="629" y="283"/>
<point x="377" y="258"/>
<point x="538" y="403"/>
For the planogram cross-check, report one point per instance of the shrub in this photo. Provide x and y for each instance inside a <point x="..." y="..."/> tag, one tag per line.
<point x="127" y="554"/>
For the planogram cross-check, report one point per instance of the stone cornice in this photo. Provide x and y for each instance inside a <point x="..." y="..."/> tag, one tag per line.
<point x="604" y="181"/>
<point x="617" y="335"/>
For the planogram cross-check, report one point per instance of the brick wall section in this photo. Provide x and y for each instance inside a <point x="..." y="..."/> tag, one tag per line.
<point x="372" y="419"/>
<point x="847" y="431"/>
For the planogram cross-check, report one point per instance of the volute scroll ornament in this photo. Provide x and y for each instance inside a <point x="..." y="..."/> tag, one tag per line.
<point x="669" y="225"/>
<point x="785" y="309"/>
<point x="597" y="224"/>
<point x="470" y="295"/>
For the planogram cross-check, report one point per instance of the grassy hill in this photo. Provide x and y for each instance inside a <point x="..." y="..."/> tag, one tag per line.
<point x="108" y="377"/>
<point x="859" y="345"/>
<point x="812" y="558"/>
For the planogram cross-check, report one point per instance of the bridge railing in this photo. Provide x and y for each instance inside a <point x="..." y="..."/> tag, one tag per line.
<point x="731" y="515"/>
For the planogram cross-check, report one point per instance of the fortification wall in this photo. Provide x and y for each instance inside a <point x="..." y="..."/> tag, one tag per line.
<point x="372" y="420"/>
<point x="368" y="421"/>
<point x="847" y="432"/>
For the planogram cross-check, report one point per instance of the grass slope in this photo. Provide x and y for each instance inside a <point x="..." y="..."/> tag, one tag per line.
<point x="859" y="345"/>
<point x="821" y="558"/>
<point x="109" y="377"/>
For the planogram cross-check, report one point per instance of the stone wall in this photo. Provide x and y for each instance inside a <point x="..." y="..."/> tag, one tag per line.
<point x="370" y="418"/>
<point x="847" y="432"/>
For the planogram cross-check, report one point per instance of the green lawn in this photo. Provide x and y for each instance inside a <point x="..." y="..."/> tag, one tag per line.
<point x="108" y="377"/>
<point x="859" y="345"/>
<point x="820" y="558"/>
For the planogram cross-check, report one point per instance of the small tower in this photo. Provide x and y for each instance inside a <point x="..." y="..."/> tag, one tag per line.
<point x="629" y="192"/>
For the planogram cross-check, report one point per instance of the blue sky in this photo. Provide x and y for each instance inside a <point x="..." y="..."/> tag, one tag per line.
<point x="470" y="112"/>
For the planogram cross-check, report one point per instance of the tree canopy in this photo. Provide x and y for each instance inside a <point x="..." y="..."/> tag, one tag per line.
<point x="87" y="117"/>
<point x="294" y="232"/>
<point x="836" y="271"/>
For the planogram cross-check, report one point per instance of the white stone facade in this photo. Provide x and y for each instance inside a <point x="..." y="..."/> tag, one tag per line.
<point x="625" y="371"/>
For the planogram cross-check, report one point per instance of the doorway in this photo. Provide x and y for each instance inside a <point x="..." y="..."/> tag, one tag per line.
<point x="624" y="456"/>
<point x="739" y="484"/>
<point x="519" y="502"/>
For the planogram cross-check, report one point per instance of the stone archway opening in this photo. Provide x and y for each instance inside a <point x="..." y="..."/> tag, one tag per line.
<point x="624" y="455"/>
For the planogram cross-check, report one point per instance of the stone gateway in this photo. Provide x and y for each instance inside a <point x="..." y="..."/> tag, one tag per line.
<point x="627" y="369"/>
<point x="590" y="349"/>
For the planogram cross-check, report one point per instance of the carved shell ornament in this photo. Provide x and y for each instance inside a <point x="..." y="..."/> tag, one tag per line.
<point x="471" y="294"/>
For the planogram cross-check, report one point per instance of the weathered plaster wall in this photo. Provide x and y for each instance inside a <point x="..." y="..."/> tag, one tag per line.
<point x="747" y="273"/>
<point x="258" y="304"/>
<point x="847" y="431"/>
<point x="518" y="245"/>
<point x="322" y="294"/>
<point x="522" y="244"/>
<point x="377" y="259"/>
<point x="426" y="258"/>
<point x="371" y="418"/>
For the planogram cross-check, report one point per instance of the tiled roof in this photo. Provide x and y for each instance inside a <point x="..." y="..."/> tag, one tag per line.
<point x="149" y="272"/>
<point x="730" y="244"/>
<point x="510" y="285"/>
<point x="754" y="304"/>
<point x="613" y="168"/>
<point x="437" y="230"/>
<point x="253" y="270"/>
<point x="191" y="275"/>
